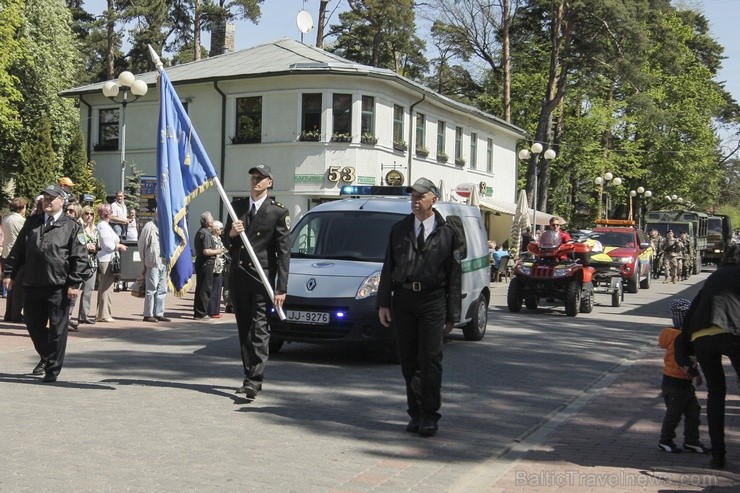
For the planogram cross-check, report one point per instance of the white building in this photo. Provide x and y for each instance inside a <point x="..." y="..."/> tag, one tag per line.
<point x="321" y="122"/>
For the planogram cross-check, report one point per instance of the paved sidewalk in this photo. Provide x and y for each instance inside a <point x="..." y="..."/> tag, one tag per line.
<point x="137" y="408"/>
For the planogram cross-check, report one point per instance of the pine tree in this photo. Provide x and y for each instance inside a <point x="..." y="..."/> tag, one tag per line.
<point x="37" y="162"/>
<point x="132" y="192"/>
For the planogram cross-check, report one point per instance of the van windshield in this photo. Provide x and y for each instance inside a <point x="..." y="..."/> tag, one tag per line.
<point x="343" y="235"/>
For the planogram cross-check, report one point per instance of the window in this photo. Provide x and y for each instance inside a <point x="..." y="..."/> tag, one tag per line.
<point x="441" y="140"/>
<point x="248" y="120"/>
<point x="421" y="133"/>
<point x="367" y="122"/>
<point x="398" y="126"/>
<point x="107" y="130"/>
<point x="458" y="142"/>
<point x="311" y="117"/>
<point x="473" y="150"/>
<point x="342" y="114"/>
<point x="489" y="156"/>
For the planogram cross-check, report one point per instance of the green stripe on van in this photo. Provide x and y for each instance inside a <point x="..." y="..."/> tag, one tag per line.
<point x="475" y="264"/>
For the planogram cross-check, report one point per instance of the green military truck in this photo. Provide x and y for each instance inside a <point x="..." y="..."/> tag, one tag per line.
<point x="719" y="237"/>
<point x="692" y="222"/>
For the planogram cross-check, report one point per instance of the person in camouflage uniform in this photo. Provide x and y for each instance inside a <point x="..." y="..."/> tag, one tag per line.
<point x="687" y="266"/>
<point x="657" y="242"/>
<point x="672" y="251"/>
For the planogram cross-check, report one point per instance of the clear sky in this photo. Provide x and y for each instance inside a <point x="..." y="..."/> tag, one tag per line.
<point x="279" y="21"/>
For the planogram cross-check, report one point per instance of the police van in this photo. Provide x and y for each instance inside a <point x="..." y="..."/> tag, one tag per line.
<point x="336" y="257"/>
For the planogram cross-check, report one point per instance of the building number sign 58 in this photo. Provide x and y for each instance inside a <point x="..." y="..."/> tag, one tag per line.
<point x="337" y="173"/>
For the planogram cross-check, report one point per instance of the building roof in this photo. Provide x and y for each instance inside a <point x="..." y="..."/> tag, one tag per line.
<point x="284" y="57"/>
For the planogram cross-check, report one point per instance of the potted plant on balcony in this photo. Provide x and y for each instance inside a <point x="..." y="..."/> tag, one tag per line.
<point x="459" y="161"/>
<point x="368" y="138"/>
<point x="442" y="157"/>
<point x="341" y="137"/>
<point x="400" y="145"/>
<point x="422" y="151"/>
<point x="310" y="135"/>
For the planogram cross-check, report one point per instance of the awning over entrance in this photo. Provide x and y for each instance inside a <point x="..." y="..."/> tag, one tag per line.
<point x="497" y="205"/>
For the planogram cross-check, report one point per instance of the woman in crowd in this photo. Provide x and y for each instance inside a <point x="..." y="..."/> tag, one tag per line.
<point x="711" y="328"/>
<point x="110" y="245"/>
<point x="91" y="243"/>
<point x="218" y="268"/>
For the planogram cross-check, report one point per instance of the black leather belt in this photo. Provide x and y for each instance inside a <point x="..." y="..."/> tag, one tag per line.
<point x="419" y="286"/>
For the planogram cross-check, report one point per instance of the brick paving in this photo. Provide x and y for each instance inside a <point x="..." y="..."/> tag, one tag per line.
<point x="140" y="406"/>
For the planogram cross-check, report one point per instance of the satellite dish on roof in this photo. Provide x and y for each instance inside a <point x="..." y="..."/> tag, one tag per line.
<point x="304" y="22"/>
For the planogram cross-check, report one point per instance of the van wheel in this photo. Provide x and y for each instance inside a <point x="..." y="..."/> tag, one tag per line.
<point x="276" y="345"/>
<point x="476" y="328"/>
<point x="514" y="295"/>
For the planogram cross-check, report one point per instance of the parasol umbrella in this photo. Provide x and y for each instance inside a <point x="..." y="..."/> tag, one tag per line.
<point x="519" y="223"/>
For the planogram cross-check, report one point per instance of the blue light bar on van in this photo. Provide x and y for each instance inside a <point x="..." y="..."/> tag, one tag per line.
<point x="372" y="190"/>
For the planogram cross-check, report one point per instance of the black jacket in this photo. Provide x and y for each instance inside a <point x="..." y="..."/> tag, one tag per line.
<point x="438" y="264"/>
<point x="56" y="257"/>
<point x="269" y="235"/>
<point x="718" y="303"/>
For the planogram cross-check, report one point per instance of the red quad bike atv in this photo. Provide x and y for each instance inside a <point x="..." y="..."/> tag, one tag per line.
<point x="557" y="272"/>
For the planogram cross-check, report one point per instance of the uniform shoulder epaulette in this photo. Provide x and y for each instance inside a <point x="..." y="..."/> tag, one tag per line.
<point x="274" y="202"/>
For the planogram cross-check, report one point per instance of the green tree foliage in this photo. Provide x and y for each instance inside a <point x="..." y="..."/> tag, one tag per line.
<point x="51" y="65"/>
<point x="38" y="162"/>
<point x="81" y="171"/>
<point x="381" y="33"/>
<point x="132" y="192"/>
<point x="11" y="99"/>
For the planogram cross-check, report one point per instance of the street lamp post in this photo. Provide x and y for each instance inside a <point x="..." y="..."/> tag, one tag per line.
<point x="525" y="154"/>
<point x="639" y="193"/>
<point x="604" y="181"/>
<point x="126" y="82"/>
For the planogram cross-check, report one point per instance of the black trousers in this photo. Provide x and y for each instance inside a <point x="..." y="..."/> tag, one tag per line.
<point x="709" y="351"/>
<point x="203" y="287"/>
<point x="251" y="303"/>
<point x="48" y="306"/>
<point x="215" y="304"/>
<point x="680" y="402"/>
<point x="419" y="320"/>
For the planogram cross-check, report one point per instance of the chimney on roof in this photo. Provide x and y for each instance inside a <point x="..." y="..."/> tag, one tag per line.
<point x="222" y="38"/>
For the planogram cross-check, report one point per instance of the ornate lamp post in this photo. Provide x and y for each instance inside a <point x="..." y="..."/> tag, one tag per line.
<point x="604" y="182"/>
<point x="126" y="82"/>
<point x="639" y="193"/>
<point x="526" y="154"/>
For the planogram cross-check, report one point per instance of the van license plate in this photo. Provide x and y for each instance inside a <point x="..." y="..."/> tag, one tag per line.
<point x="307" y="317"/>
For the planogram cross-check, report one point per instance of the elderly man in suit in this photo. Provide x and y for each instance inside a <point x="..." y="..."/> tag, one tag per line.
<point x="267" y="227"/>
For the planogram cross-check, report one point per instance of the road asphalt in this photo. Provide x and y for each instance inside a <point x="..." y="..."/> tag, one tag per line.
<point x="151" y="407"/>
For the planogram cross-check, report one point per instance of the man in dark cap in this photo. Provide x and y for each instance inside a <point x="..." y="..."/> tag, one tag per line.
<point x="420" y="295"/>
<point x="267" y="227"/>
<point x="55" y="266"/>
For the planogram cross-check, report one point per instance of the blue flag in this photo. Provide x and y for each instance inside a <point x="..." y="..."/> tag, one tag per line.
<point x="183" y="171"/>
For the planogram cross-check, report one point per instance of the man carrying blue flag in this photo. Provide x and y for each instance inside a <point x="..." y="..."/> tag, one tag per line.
<point x="267" y="227"/>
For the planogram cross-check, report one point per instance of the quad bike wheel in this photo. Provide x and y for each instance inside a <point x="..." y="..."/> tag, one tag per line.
<point x="587" y="298"/>
<point x="514" y="295"/>
<point x="531" y="302"/>
<point x="572" y="298"/>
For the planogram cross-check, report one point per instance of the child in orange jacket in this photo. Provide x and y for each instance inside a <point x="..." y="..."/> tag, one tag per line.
<point x="679" y="393"/>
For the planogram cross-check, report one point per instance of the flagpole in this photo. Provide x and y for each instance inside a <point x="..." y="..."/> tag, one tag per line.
<point x="222" y="193"/>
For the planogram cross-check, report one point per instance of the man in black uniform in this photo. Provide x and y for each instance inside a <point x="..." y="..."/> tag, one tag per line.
<point x="205" y="259"/>
<point x="420" y="294"/>
<point x="267" y="226"/>
<point x="55" y="266"/>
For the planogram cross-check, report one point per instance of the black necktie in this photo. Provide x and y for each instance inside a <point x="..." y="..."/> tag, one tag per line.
<point x="252" y="213"/>
<point x="420" y="238"/>
<point x="48" y="224"/>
